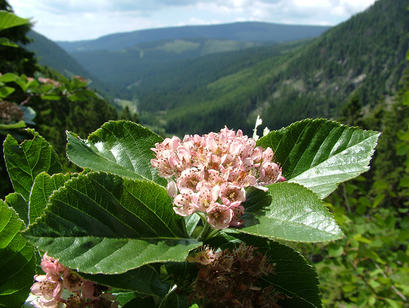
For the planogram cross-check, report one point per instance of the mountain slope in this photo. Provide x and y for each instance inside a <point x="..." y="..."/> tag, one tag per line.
<point x="123" y="68"/>
<point x="364" y="56"/>
<point x="123" y="60"/>
<point x="52" y="55"/>
<point x="182" y="84"/>
<point x="240" y="31"/>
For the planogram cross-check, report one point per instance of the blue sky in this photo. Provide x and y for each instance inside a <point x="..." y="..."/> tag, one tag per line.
<point x="86" y="19"/>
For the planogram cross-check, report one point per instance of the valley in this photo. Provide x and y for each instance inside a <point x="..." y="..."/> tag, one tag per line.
<point x="191" y="84"/>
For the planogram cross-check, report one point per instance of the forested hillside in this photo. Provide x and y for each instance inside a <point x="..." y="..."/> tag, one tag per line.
<point x="50" y="54"/>
<point x="186" y="89"/>
<point x="190" y="85"/>
<point x="185" y="82"/>
<point x="32" y="96"/>
<point x="124" y="69"/>
<point x="361" y="56"/>
<point x="125" y="60"/>
<point x="369" y="267"/>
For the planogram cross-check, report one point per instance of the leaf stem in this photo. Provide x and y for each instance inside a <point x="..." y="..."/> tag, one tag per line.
<point x="212" y="233"/>
<point x="205" y="231"/>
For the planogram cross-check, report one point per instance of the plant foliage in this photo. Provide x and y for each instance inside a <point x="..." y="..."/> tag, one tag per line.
<point x="114" y="223"/>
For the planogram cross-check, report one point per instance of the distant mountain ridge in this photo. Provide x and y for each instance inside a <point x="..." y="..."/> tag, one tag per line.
<point x="124" y="60"/>
<point x="127" y="67"/>
<point x="239" y="31"/>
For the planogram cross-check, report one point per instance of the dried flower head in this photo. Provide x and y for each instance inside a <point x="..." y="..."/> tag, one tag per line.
<point x="233" y="278"/>
<point x="10" y="112"/>
<point x="209" y="173"/>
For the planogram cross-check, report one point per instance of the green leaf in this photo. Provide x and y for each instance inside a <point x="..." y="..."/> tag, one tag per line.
<point x="19" y="124"/>
<point x="292" y="274"/>
<point x="26" y="160"/>
<point x="30" y="85"/>
<point x="405" y="99"/>
<point x="9" y="77"/>
<point x="17" y="260"/>
<point x="80" y="96"/>
<point x="144" y="280"/>
<point x="50" y="97"/>
<point x="289" y="212"/>
<point x="4" y="41"/>
<point x="392" y="303"/>
<point x="191" y="223"/>
<point x="44" y="185"/>
<point x="146" y="302"/>
<point x="320" y="154"/>
<point x="9" y="20"/>
<point x="102" y="223"/>
<point x="17" y="202"/>
<point x="124" y="297"/>
<point x="119" y="147"/>
<point x="335" y="251"/>
<point x="6" y="91"/>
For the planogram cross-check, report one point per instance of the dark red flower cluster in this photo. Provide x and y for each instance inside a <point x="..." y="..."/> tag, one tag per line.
<point x="233" y="279"/>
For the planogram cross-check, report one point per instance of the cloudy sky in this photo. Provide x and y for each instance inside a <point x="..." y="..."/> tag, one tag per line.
<point x="87" y="19"/>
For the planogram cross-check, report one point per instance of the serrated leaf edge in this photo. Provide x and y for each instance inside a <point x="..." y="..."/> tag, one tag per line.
<point x="95" y="133"/>
<point x="310" y="120"/>
<point x="295" y="241"/>
<point x="193" y="241"/>
<point x="366" y="167"/>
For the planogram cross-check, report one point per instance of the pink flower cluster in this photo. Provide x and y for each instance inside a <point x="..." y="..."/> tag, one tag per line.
<point x="49" y="288"/>
<point x="209" y="173"/>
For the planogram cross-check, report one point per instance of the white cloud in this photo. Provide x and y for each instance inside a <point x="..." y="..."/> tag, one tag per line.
<point x="82" y="19"/>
